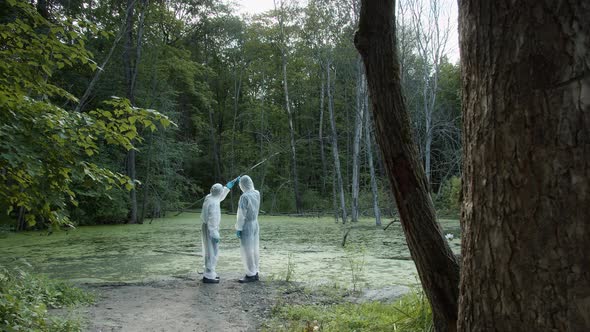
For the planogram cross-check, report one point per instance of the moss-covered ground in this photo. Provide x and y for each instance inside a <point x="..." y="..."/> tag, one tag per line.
<point x="171" y="247"/>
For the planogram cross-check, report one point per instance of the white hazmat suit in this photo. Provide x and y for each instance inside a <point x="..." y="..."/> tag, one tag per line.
<point x="211" y="217"/>
<point x="247" y="225"/>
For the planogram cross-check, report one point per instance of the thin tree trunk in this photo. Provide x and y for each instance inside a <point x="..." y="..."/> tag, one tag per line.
<point x="21" y="223"/>
<point x="335" y="197"/>
<point x="236" y="99"/>
<point x="146" y="183"/>
<point x="263" y="173"/>
<point x="288" y="109"/>
<point x="428" y="146"/>
<point x="526" y="172"/>
<point x="131" y="68"/>
<point x="321" y="133"/>
<point x="436" y="264"/>
<point x="335" y="152"/>
<point x="369" y="143"/>
<point x="128" y="71"/>
<point x="237" y="89"/>
<point x="292" y="139"/>
<point x="356" y="144"/>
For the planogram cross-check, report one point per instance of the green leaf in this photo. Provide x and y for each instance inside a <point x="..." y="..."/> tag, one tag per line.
<point x="130" y="134"/>
<point x="30" y="220"/>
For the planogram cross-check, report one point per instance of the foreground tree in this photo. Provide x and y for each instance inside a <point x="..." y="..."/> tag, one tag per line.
<point x="437" y="266"/>
<point x="46" y="149"/>
<point x="526" y="111"/>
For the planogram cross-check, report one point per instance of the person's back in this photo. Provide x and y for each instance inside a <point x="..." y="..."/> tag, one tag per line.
<point x="211" y="217"/>
<point x="250" y="204"/>
<point x="247" y="228"/>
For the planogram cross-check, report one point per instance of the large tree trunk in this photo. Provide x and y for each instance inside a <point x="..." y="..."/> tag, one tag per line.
<point x="526" y="177"/>
<point x="437" y="266"/>
<point x="335" y="152"/>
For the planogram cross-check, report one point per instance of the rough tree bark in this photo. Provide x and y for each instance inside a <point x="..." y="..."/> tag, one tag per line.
<point x="436" y="264"/>
<point x="526" y="173"/>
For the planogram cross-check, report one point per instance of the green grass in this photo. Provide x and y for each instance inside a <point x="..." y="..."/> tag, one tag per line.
<point x="410" y="313"/>
<point x="26" y="297"/>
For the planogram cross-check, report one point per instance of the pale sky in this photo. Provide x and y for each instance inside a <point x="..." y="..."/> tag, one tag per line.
<point x="259" y="6"/>
<point x="254" y="6"/>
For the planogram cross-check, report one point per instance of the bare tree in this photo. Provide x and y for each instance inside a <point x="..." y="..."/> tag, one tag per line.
<point x="283" y="44"/>
<point x="436" y="264"/>
<point x="431" y="37"/>
<point x="335" y="152"/>
<point x="526" y="172"/>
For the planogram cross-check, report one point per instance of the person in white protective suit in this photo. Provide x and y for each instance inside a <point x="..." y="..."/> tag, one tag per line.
<point x="211" y="216"/>
<point x="247" y="228"/>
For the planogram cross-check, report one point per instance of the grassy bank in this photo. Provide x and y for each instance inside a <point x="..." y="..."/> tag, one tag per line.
<point x="409" y="313"/>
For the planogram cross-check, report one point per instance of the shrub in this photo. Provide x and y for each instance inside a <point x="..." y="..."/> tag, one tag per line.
<point x="25" y="298"/>
<point x="448" y="200"/>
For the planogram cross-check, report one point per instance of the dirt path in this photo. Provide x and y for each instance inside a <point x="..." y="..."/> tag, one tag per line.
<point x="186" y="304"/>
<point x="181" y="305"/>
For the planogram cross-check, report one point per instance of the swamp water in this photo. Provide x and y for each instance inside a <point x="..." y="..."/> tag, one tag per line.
<point x="311" y="248"/>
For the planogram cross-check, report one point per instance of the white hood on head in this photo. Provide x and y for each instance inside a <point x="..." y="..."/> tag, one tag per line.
<point x="246" y="183"/>
<point x="216" y="190"/>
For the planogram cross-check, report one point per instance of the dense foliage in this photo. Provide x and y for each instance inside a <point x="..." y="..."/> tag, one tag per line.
<point x="46" y="149"/>
<point x="25" y="298"/>
<point x="67" y="156"/>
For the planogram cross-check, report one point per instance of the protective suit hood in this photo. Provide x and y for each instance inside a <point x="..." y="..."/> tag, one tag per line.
<point x="246" y="183"/>
<point x="216" y="190"/>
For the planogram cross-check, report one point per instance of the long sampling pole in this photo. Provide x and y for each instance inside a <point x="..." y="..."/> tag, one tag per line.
<point x="241" y="174"/>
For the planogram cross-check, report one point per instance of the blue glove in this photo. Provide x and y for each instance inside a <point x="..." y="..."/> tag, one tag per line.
<point x="239" y="234"/>
<point x="230" y="184"/>
<point x="215" y="240"/>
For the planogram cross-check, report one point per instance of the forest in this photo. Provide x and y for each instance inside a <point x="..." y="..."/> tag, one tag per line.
<point x="387" y="174"/>
<point x="285" y="85"/>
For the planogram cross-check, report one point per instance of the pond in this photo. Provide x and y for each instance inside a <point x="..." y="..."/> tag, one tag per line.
<point x="171" y="248"/>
